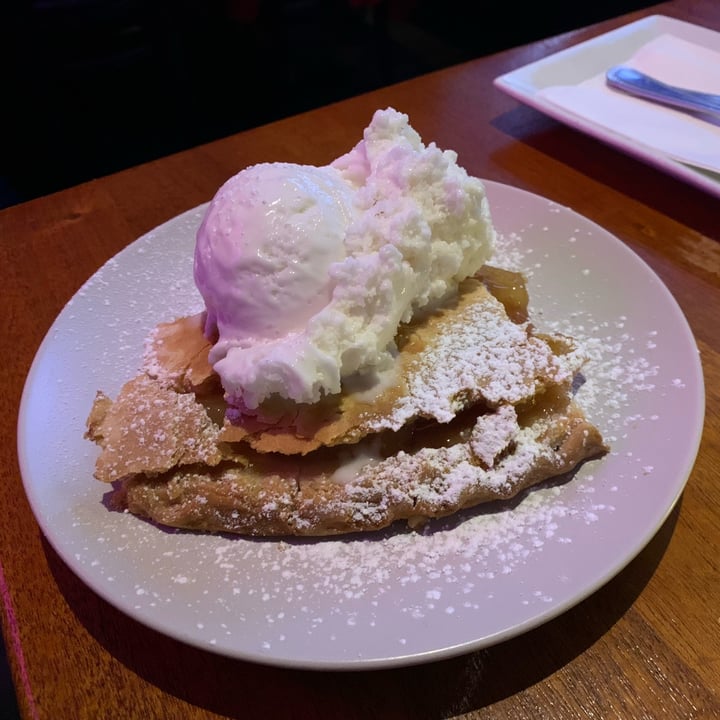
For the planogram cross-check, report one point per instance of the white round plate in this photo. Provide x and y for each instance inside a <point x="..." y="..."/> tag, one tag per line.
<point x="397" y="597"/>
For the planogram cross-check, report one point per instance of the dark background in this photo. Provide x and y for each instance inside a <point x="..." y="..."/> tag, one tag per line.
<point x="98" y="85"/>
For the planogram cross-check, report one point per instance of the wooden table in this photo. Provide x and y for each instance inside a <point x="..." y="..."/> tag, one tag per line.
<point x="646" y="645"/>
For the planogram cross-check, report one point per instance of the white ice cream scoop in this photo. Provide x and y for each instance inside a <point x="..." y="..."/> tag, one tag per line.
<point x="264" y="249"/>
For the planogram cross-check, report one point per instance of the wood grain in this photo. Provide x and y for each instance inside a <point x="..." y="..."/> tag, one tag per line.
<point x="646" y="645"/>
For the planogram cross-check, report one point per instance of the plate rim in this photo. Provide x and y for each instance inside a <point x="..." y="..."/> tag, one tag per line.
<point x="399" y="660"/>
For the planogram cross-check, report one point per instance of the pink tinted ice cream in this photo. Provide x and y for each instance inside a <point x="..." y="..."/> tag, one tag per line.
<point x="306" y="272"/>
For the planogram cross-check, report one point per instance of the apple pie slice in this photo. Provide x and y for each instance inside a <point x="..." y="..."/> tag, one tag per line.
<point x="477" y="406"/>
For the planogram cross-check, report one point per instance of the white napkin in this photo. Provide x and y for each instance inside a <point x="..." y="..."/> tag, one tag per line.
<point x="674" y="133"/>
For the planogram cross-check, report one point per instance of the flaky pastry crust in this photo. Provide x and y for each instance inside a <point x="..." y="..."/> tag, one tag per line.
<point x="478" y="408"/>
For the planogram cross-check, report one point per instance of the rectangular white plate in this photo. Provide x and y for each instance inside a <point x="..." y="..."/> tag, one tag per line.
<point x="586" y="60"/>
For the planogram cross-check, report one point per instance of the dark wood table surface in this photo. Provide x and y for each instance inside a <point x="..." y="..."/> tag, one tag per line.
<point x="646" y="645"/>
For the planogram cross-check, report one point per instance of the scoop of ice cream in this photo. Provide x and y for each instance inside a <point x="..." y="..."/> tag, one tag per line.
<point x="264" y="250"/>
<point x="307" y="272"/>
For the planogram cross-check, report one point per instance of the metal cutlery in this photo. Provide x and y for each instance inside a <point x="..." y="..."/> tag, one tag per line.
<point x="637" y="83"/>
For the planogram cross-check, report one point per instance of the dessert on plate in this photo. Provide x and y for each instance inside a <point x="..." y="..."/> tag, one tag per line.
<point x="361" y="358"/>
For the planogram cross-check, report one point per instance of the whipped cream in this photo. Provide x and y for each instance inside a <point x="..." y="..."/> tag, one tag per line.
<point x="307" y="272"/>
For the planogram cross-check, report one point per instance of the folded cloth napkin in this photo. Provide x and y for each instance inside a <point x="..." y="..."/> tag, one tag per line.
<point x="679" y="135"/>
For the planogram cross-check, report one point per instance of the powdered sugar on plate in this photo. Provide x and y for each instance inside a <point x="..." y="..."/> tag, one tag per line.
<point x="398" y="596"/>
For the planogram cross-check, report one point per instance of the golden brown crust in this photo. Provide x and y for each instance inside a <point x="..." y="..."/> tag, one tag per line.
<point x="150" y="429"/>
<point x="295" y="499"/>
<point x="178" y="350"/>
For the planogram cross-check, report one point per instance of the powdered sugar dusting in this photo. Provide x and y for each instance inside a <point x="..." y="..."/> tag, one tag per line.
<point x="383" y="598"/>
<point x="457" y="562"/>
<point x="481" y="337"/>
